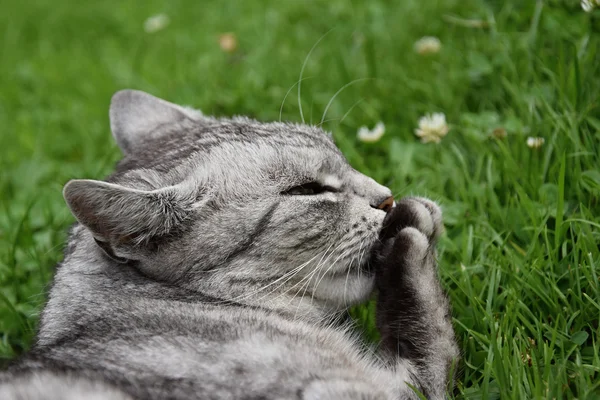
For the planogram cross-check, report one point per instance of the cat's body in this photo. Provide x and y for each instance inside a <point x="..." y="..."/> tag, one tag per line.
<point x="214" y="265"/>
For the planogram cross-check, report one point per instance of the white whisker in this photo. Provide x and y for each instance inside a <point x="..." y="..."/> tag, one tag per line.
<point x="320" y="277"/>
<point x="336" y="94"/>
<point x="302" y="71"/>
<point x="286" y="96"/>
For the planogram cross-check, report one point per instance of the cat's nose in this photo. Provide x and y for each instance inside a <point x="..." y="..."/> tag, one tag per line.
<point x="386" y="205"/>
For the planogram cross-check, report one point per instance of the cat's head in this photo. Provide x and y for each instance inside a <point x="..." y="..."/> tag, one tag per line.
<point x="269" y="205"/>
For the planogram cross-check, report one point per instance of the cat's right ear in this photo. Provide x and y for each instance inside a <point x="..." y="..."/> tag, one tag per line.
<point x="135" y="116"/>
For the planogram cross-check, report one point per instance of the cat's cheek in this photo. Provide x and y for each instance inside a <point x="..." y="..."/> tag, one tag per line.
<point x="344" y="290"/>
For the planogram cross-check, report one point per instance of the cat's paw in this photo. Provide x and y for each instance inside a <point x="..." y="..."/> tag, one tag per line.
<point x="416" y="212"/>
<point x="409" y="235"/>
<point x="411" y="245"/>
<point x="410" y="253"/>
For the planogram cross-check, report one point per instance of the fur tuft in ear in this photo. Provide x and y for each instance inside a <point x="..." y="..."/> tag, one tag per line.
<point x="125" y="217"/>
<point x="136" y="116"/>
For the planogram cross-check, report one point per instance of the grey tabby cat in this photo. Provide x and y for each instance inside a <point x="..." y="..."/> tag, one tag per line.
<point x="216" y="261"/>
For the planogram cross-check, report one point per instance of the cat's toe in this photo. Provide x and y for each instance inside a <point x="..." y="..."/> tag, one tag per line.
<point x="412" y="244"/>
<point x="420" y="213"/>
<point x="403" y="255"/>
<point x="423" y="219"/>
<point x="435" y="215"/>
<point x="416" y="212"/>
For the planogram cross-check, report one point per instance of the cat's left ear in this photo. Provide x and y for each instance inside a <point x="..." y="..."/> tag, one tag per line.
<point x="135" y="116"/>
<point x="124" y="219"/>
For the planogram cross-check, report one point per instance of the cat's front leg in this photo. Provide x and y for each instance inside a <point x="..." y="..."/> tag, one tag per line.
<point x="413" y="314"/>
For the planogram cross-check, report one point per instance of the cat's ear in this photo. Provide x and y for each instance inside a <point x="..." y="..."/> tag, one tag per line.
<point x="126" y="218"/>
<point x="136" y="116"/>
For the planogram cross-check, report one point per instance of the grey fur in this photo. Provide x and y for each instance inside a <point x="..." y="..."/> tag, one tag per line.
<point x="192" y="274"/>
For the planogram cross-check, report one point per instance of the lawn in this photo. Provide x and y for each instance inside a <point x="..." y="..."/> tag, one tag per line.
<point x="521" y="252"/>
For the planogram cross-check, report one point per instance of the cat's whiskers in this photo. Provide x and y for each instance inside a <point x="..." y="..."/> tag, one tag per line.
<point x="287" y="94"/>
<point x="316" y="268"/>
<point x="336" y="94"/>
<point x="292" y="276"/>
<point x="320" y="277"/>
<point x="350" y="269"/>
<point x="364" y="251"/>
<point x="302" y="71"/>
<point x="289" y="275"/>
<point x="308" y="277"/>
<point x="357" y="266"/>
<point x="340" y="120"/>
<point x="346" y="283"/>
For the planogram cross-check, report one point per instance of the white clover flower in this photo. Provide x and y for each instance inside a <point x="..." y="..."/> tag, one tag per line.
<point x="366" y="135"/>
<point x="535" y="142"/>
<point x="156" y="23"/>
<point x="432" y="128"/>
<point x="428" y="45"/>
<point x="589" y="5"/>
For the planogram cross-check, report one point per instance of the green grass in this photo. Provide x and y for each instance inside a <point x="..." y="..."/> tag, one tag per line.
<point x="520" y="255"/>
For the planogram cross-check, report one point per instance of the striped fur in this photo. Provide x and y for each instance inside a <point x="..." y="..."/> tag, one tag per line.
<point x="194" y="272"/>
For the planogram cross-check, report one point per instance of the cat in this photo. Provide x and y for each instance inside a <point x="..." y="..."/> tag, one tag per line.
<point x="217" y="261"/>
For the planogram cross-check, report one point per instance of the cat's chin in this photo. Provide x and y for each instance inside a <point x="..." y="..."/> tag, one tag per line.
<point x="346" y="289"/>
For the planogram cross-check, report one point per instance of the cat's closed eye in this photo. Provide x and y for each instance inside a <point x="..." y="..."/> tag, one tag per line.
<point x="310" y="188"/>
